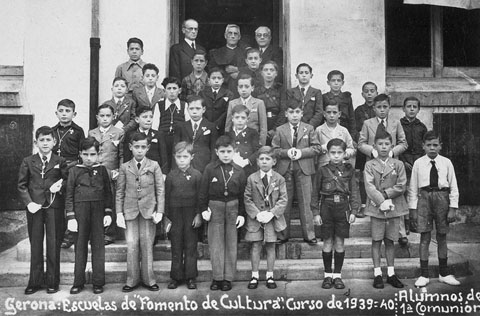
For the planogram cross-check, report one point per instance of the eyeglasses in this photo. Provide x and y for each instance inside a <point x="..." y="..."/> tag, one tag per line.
<point x="262" y="35"/>
<point x="191" y="29"/>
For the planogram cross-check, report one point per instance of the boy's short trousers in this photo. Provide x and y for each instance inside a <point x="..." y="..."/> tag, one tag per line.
<point x="334" y="218"/>
<point x="433" y="206"/>
<point x="266" y="233"/>
<point x="385" y="228"/>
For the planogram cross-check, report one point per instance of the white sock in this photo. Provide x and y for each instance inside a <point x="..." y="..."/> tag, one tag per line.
<point x="255" y="274"/>
<point x="328" y="275"/>
<point x="390" y="271"/>
<point x="269" y="275"/>
<point x="377" y="271"/>
<point x="337" y="275"/>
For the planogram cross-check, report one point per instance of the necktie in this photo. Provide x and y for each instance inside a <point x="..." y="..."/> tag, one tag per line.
<point x="139" y="165"/>
<point x="381" y="126"/>
<point x="214" y="95"/>
<point x="195" y="127"/>
<point x="265" y="181"/>
<point x="119" y="103"/>
<point x="303" y="92"/>
<point x="44" y="165"/>
<point x="193" y="45"/>
<point x="295" y="134"/>
<point x="433" y="175"/>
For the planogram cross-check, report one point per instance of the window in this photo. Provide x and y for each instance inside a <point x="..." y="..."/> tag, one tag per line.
<point x="431" y="41"/>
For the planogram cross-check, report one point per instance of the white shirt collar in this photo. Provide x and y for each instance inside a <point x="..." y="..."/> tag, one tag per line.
<point x="213" y="90"/>
<point x="104" y="130"/>
<point x="245" y="101"/>
<point x="49" y="155"/>
<point x="118" y="99"/>
<point x="380" y="120"/>
<point x="291" y="125"/>
<point x="269" y="174"/>
<point x="239" y="131"/>
<point x="143" y="131"/>
<point x="189" y="42"/>
<point x="306" y="87"/>
<point x="141" y="162"/>
<point x="197" y="122"/>
<point x="384" y="162"/>
<point x="177" y="104"/>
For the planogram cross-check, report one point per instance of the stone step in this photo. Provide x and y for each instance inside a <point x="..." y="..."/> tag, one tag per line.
<point x="360" y="228"/>
<point x="294" y="249"/>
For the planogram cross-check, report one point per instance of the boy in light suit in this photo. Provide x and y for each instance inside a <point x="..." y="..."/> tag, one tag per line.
<point x="296" y="145"/>
<point x="123" y="105"/>
<point x="140" y="204"/>
<point x="148" y="94"/>
<point x="385" y="183"/>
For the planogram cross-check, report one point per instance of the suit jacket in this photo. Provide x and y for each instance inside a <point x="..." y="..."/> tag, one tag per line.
<point x="369" y="129"/>
<point x="312" y="104"/>
<point x="33" y="188"/>
<point x="111" y="146"/>
<point x="157" y="151"/>
<point x="125" y="113"/>
<point x="216" y="108"/>
<point x="140" y="191"/>
<point x="247" y="145"/>
<point x="181" y="59"/>
<point x="203" y="142"/>
<point x="257" y="119"/>
<point x="307" y="142"/>
<point x="255" y="203"/>
<point x="141" y="99"/>
<point x="389" y="178"/>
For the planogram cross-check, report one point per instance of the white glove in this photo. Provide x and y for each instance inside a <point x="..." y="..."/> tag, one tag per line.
<point x="291" y="153"/>
<point x="242" y="162"/>
<point x="387" y="205"/>
<point x="206" y="215"/>
<point x="72" y="225"/>
<point x="33" y="207"/>
<point x="349" y="153"/>
<point x="261" y="217"/>
<point x="107" y="220"/>
<point x="298" y="154"/>
<point x="390" y="154"/>
<point x="240" y="221"/>
<point x="374" y="153"/>
<point x="268" y="217"/>
<point x="121" y="221"/>
<point x="54" y="188"/>
<point x="157" y="217"/>
<point x="114" y="174"/>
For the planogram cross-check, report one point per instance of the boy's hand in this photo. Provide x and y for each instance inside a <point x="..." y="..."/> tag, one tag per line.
<point x="351" y="219"/>
<point x="291" y="153"/>
<point x="349" y="153"/>
<point x="266" y="217"/>
<point x="121" y="221"/>
<point x="114" y="174"/>
<point x="297" y="154"/>
<point x="197" y="221"/>
<point x="54" y="188"/>
<point x="413" y="220"/>
<point x="157" y="217"/>
<point x="72" y="225"/>
<point x="317" y="220"/>
<point x="387" y="205"/>
<point x="206" y="215"/>
<point x="240" y="221"/>
<point x="33" y="207"/>
<point x="451" y="217"/>
<point x="107" y="220"/>
<point x="374" y="153"/>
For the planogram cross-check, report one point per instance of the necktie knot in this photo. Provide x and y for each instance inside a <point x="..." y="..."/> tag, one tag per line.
<point x="432" y="162"/>
<point x="44" y="158"/>
<point x="139" y="165"/>
<point x="214" y="95"/>
<point x="303" y="91"/>
<point x="193" y="45"/>
<point x="119" y="102"/>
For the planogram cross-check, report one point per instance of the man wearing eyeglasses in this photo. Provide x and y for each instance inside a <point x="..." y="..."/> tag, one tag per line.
<point x="263" y="36"/>
<point x="181" y="54"/>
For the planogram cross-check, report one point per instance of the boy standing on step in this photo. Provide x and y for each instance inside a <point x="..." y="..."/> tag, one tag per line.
<point x="433" y="196"/>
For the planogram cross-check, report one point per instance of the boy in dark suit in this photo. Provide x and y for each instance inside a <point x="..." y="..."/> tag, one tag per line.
<point x="197" y="80"/>
<point x="122" y="104"/>
<point x="149" y="93"/>
<point x="199" y="132"/>
<point x="41" y="179"/>
<point x="216" y="99"/>
<point x="310" y="99"/>
<point x="296" y="146"/>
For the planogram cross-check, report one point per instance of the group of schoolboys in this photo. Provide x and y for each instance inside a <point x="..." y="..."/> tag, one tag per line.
<point x="160" y="158"/>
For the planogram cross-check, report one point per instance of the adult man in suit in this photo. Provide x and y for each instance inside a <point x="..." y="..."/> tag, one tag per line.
<point x="263" y="36"/>
<point x="181" y="54"/>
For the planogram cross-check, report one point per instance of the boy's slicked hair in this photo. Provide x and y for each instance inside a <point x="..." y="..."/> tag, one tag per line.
<point x="293" y="104"/>
<point x="44" y="130"/>
<point x="252" y="50"/>
<point x="150" y="67"/>
<point x="267" y="150"/>
<point x="105" y="106"/>
<point x="336" y="142"/>
<point x="304" y="65"/>
<point x="270" y="62"/>
<point x="224" y="141"/>
<point x="181" y="146"/>
<point x="335" y="73"/>
<point x="411" y="99"/>
<point x="137" y="136"/>
<point x="381" y="97"/>
<point x="369" y="82"/>
<point x="331" y="103"/>
<point x="170" y="80"/>
<point x="119" y="79"/>
<point x="142" y="109"/>
<point x="192" y="98"/>
<point x="216" y="69"/>
<point x="246" y="76"/>
<point x="429" y="135"/>
<point x="88" y="143"/>
<point x="201" y="52"/>
<point x="135" y="40"/>
<point x="382" y="134"/>
<point x="67" y="103"/>
<point x="239" y="108"/>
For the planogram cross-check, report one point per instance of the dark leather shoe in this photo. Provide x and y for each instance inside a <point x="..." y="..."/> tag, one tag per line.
<point x="76" y="289"/>
<point x="152" y="288"/>
<point x="338" y="284"/>
<point x="31" y="289"/>
<point x="253" y="284"/>
<point x="403" y="241"/>
<point x="394" y="281"/>
<point x="311" y="241"/>
<point x="327" y="283"/>
<point x="52" y="290"/>
<point x="361" y="213"/>
<point x="281" y="241"/>
<point x="191" y="285"/>
<point x="97" y="289"/>
<point x="127" y="288"/>
<point x="378" y="282"/>
<point x="226" y="285"/>
<point x="173" y="284"/>
<point x="216" y="285"/>
<point x="271" y="283"/>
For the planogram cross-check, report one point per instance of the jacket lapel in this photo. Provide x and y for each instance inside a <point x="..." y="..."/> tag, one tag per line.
<point x="308" y="95"/>
<point x="258" y="183"/>
<point x="143" y="96"/>
<point x="122" y="108"/>
<point x="288" y="134"/>
<point x="132" y="167"/>
<point x="301" y="128"/>
<point x="273" y="184"/>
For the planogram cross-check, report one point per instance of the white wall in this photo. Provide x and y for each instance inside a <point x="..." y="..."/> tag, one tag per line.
<point x="338" y="34"/>
<point x="12" y="30"/>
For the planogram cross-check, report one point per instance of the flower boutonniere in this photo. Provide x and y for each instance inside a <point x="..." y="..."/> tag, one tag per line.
<point x="115" y="142"/>
<point x="244" y="134"/>
<point x="188" y="177"/>
<point x="95" y="172"/>
<point x="71" y="132"/>
<point x="304" y="129"/>
<point x="204" y="128"/>
<point x="230" y="172"/>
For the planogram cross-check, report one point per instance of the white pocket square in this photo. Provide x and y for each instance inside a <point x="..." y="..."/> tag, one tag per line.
<point x="214" y="179"/>
<point x="154" y="140"/>
<point x="226" y="99"/>
<point x="57" y="166"/>
<point x="253" y="110"/>
<point x="115" y="142"/>
<point x="306" y="137"/>
<point x="312" y="98"/>
<point x="207" y="132"/>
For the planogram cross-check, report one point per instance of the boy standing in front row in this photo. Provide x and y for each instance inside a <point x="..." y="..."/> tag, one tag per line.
<point x="265" y="201"/>
<point x="433" y="196"/>
<point x="296" y="145"/>
<point x="336" y="188"/>
<point x="39" y="184"/>
<point x="385" y="183"/>
<point x="221" y="203"/>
